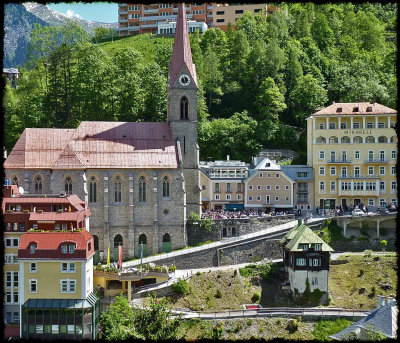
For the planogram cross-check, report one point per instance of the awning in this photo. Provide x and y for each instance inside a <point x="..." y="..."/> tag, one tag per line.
<point x="205" y="199"/>
<point x="234" y="207"/>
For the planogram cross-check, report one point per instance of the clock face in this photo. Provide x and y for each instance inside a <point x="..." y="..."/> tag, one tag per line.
<point x="184" y="80"/>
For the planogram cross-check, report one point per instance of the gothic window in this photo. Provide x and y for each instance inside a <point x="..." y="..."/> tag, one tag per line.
<point x="142" y="189"/>
<point x="142" y="239"/>
<point x="166" y="238"/>
<point x="14" y="180"/>
<point x="117" y="189"/>
<point x="93" y="189"/>
<point x="96" y="242"/>
<point x="184" y="108"/>
<point x="68" y="185"/>
<point x="38" y="184"/>
<point x="166" y="187"/>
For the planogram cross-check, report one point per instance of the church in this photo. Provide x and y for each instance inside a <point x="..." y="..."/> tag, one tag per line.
<point x="140" y="179"/>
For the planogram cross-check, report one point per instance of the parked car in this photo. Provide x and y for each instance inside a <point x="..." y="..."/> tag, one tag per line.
<point x="357" y="212"/>
<point x="383" y="210"/>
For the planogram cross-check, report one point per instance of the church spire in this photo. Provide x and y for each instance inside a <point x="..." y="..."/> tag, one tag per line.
<point x="181" y="53"/>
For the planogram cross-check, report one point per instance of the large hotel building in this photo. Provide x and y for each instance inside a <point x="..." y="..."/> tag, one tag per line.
<point x="161" y="18"/>
<point x="353" y="150"/>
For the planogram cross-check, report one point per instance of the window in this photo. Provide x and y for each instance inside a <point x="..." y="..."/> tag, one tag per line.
<point x="370" y="155"/>
<point x="38" y="185"/>
<point x="276" y="198"/>
<point x="321" y="155"/>
<point x="370" y="125"/>
<point x="303" y="247"/>
<point x="268" y="175"/>
<point x="371" y="202"/>
<point x="321" y="170"/>
<point x="261" y="175"/>
<point x="220" y="20"/>
<point x="228" y="197"/>
<point x="382" y="155"/>
<point x="15" y="226"/>
<point x="250" y="198"/>
<point x="321" y="126"/>
<point x="258" y="198"/>
<point x="11" y="242"/>
<point x="8" y="226"/>
<point x="64" y="226"/>
<point x="300" y="261"/>
<point x="332" y="126"/>
<point x="370" y="170"/>
<point x="136" y="8"/>
<point x="287" y="187"/>
<point x="357" y="154"/>
<point x="333" y="140"/>
<point x="11" y="259"/>
<point x="93" y="189"/>
<point x="8" y="279"/>
<point x="333" y="186"/>
<point x="217" y="196"/>
<point x="117" y="190"/>
<point x="15" y="279"/>
<point x="32" y="248"/>
<point x="258" y="187"/>
<point x="250" y="187"/>
<point x="343" y="126"/>
<point x="394" y="154"/>
<point x="344" y="171"/>
<point x="356" y="171"/>
<point x="321" y="185"/>
<point x="68" y="267"/>
<point x="32" y="267"/>
<point x="370" y="186"/>
<point x="357" y="140"/>
<point x="339" y="110"/>
<point x="71" y="248"/>
<point x="238" y="11"/>
<point x="316" y="262"/>
<point x="64" y="249"/>
<point x="228" y="187"/>
<point x="277" y="187"/>
<point x="184" y="108"/>
<point x="317" y="246"/>
<point x="14" y="180"/>
<point x="142" y="189"/>
<point x="277" y="175"/>
<point x="166" y="187"/>
<point x="217" y="187"/>
<point x="68" y="286"/>
<point x="15" y="317"/>
<point x="370" y="139"/>
<point x="33" y="286"/>
<point x="345" y="139"/>
<point x="381" y="125"/>
<point x="268" y="187"/>
<point x="22" y="226"/>
<point x="287" y="199"/>
<point x="393" y="170"/>
<point x="358" y="186"/>
<point x="394" y="185"/>
<point x="314" y="281"/>
<point x="220" y="12"/>
<point x="382" y="202"/>
<point x="382" y="185"/>
<point x="239" y="197"/>
<point x="346" y="186"/>
<point x="68" y="185"/>
<point x="333" y="170"/>
<point x="239" y="187"/>
<point x="382" y="170"/>
<point x="15" y="296"/>
<point x="356" y="125"/>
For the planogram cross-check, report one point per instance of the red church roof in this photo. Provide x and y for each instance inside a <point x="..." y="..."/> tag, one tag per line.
<point x="181" y="53"/>
<point x="96" y="144"/>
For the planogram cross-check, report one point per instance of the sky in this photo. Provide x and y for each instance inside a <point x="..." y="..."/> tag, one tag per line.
<point x="105" y="12"/>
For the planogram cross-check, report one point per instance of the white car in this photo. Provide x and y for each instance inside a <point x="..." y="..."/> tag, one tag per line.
<point x="358" y="212"/>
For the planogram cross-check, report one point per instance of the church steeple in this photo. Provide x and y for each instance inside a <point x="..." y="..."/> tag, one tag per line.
<point x="181" y="53"/>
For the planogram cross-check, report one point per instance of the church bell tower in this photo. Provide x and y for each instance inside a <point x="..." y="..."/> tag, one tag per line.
<point x="182" y="110"/>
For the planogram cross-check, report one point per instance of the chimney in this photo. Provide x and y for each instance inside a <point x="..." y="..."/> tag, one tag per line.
<point x="381" y="300"/>
<point x="228" y="157"/>
<point x="333" y="102"/>
<point x="390" y="300"/>
<point x="299" y="221"/>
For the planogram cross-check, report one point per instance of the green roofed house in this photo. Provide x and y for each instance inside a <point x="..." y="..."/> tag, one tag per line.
<point x="305" y="255"/>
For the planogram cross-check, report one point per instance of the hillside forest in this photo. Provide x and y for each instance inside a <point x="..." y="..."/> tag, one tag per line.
<point x="257" y="83"/>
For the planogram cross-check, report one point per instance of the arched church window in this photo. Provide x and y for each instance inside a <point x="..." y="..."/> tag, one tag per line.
<point x="142" y="189"/>
<point x="93" y="189"/>
<point x="68" y="185"/>
<point x="117" y="189"/>
<point x="184" y="108"/>
<point x="38" y="184"/>
<point x="166" y="187"/>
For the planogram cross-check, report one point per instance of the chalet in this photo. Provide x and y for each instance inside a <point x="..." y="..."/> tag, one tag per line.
<point x="306" y="256"/>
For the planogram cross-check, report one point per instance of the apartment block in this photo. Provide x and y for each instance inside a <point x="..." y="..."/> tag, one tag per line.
<point x="353" y="150"/>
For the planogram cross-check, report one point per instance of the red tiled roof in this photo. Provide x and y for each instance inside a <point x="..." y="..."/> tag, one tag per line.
<point x="181" y="53"/>
<point x="48" y="244"/>
<point x="63" y="216"/>
<point x="348" y="107"/>
<point x="72" y="200"/>
<point x="96" y="144"/>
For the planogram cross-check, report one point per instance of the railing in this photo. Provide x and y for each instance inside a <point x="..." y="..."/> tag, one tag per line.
<point x="123" y="20"/>
<point x="122" y="12"/>
<point x="339" y="161"/>
<point x="359" y="176"/>
<point x="376" y="161"/>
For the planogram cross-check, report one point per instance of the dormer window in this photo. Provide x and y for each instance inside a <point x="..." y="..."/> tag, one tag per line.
<point x="267" y="165"/>
<point x="355" y="109"/>
<point x="339" y="110"/>
<point x="369" y="109"/>
<point x="303" y="246"/>
<point x="72" y="248"/>
<point x="32" y="248"/>
<point x="317" y="246"/>
<point x="64" y="249"/>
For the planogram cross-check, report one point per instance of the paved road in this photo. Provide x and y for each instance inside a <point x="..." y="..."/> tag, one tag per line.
<point x="258" y="234"/>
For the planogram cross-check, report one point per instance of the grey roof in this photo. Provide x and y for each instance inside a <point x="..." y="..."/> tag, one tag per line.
<point x="382" y="320"/>
<point x="62" y="303"/>
<point x="292" y="170"/>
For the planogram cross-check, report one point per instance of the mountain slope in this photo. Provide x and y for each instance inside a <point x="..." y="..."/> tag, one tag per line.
<point x="18" y="25"/>
<point x="56" y="18"/>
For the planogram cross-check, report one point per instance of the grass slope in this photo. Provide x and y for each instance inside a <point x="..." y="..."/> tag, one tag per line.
<point x="345" y="281"/>
<point x="146" y="44"/>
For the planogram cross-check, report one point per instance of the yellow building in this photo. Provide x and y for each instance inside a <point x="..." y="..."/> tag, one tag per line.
<point x="353" y="150"/>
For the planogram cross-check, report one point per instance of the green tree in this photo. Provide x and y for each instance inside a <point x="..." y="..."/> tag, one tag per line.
<point x="270" y="101"/>
<point x="322" y="33"/>
<point x="100" y="33"/>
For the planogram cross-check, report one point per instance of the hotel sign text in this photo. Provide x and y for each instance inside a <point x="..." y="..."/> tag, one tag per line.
<point x="357" y="132"/>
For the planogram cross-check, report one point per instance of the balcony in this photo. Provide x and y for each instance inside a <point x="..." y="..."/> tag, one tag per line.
<point x="149" y="26"/>
<point x="209" y="7"/>
<point x="134" y="28"/>
<point x="340" y="161"/>
<point x="359" y="176"/>
<point x="358" y="193"/>
<point x="155" y="10"/>
<point x="376" y="161"/>
<point x="122" y="12"/>
<point x="123" y="20"/>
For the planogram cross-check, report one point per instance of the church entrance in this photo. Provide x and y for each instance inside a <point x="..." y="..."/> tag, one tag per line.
<point x="117" y="243"/>
<point x="142" y="245"/>
<point x="166" y="243"/>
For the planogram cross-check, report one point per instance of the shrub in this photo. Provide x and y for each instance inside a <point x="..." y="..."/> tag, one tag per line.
<point x="249" y="322"/>
<point x="373" y="291"/>
<point x="172" y="268"/>
<point x="218" y="294"/>
<point x="218" y="330"/>
<point x="198" y="273"/>
<point x="256" y="297"/>
<point x="324" y="328"/>
<point x="181" y="287"/>
<point x="194" y="217"/>
<point x="383" y="244"/>
<point x="361" y="273"/>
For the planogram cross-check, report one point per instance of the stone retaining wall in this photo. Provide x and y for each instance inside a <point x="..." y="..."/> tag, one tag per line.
<point x="358" y="246"/>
